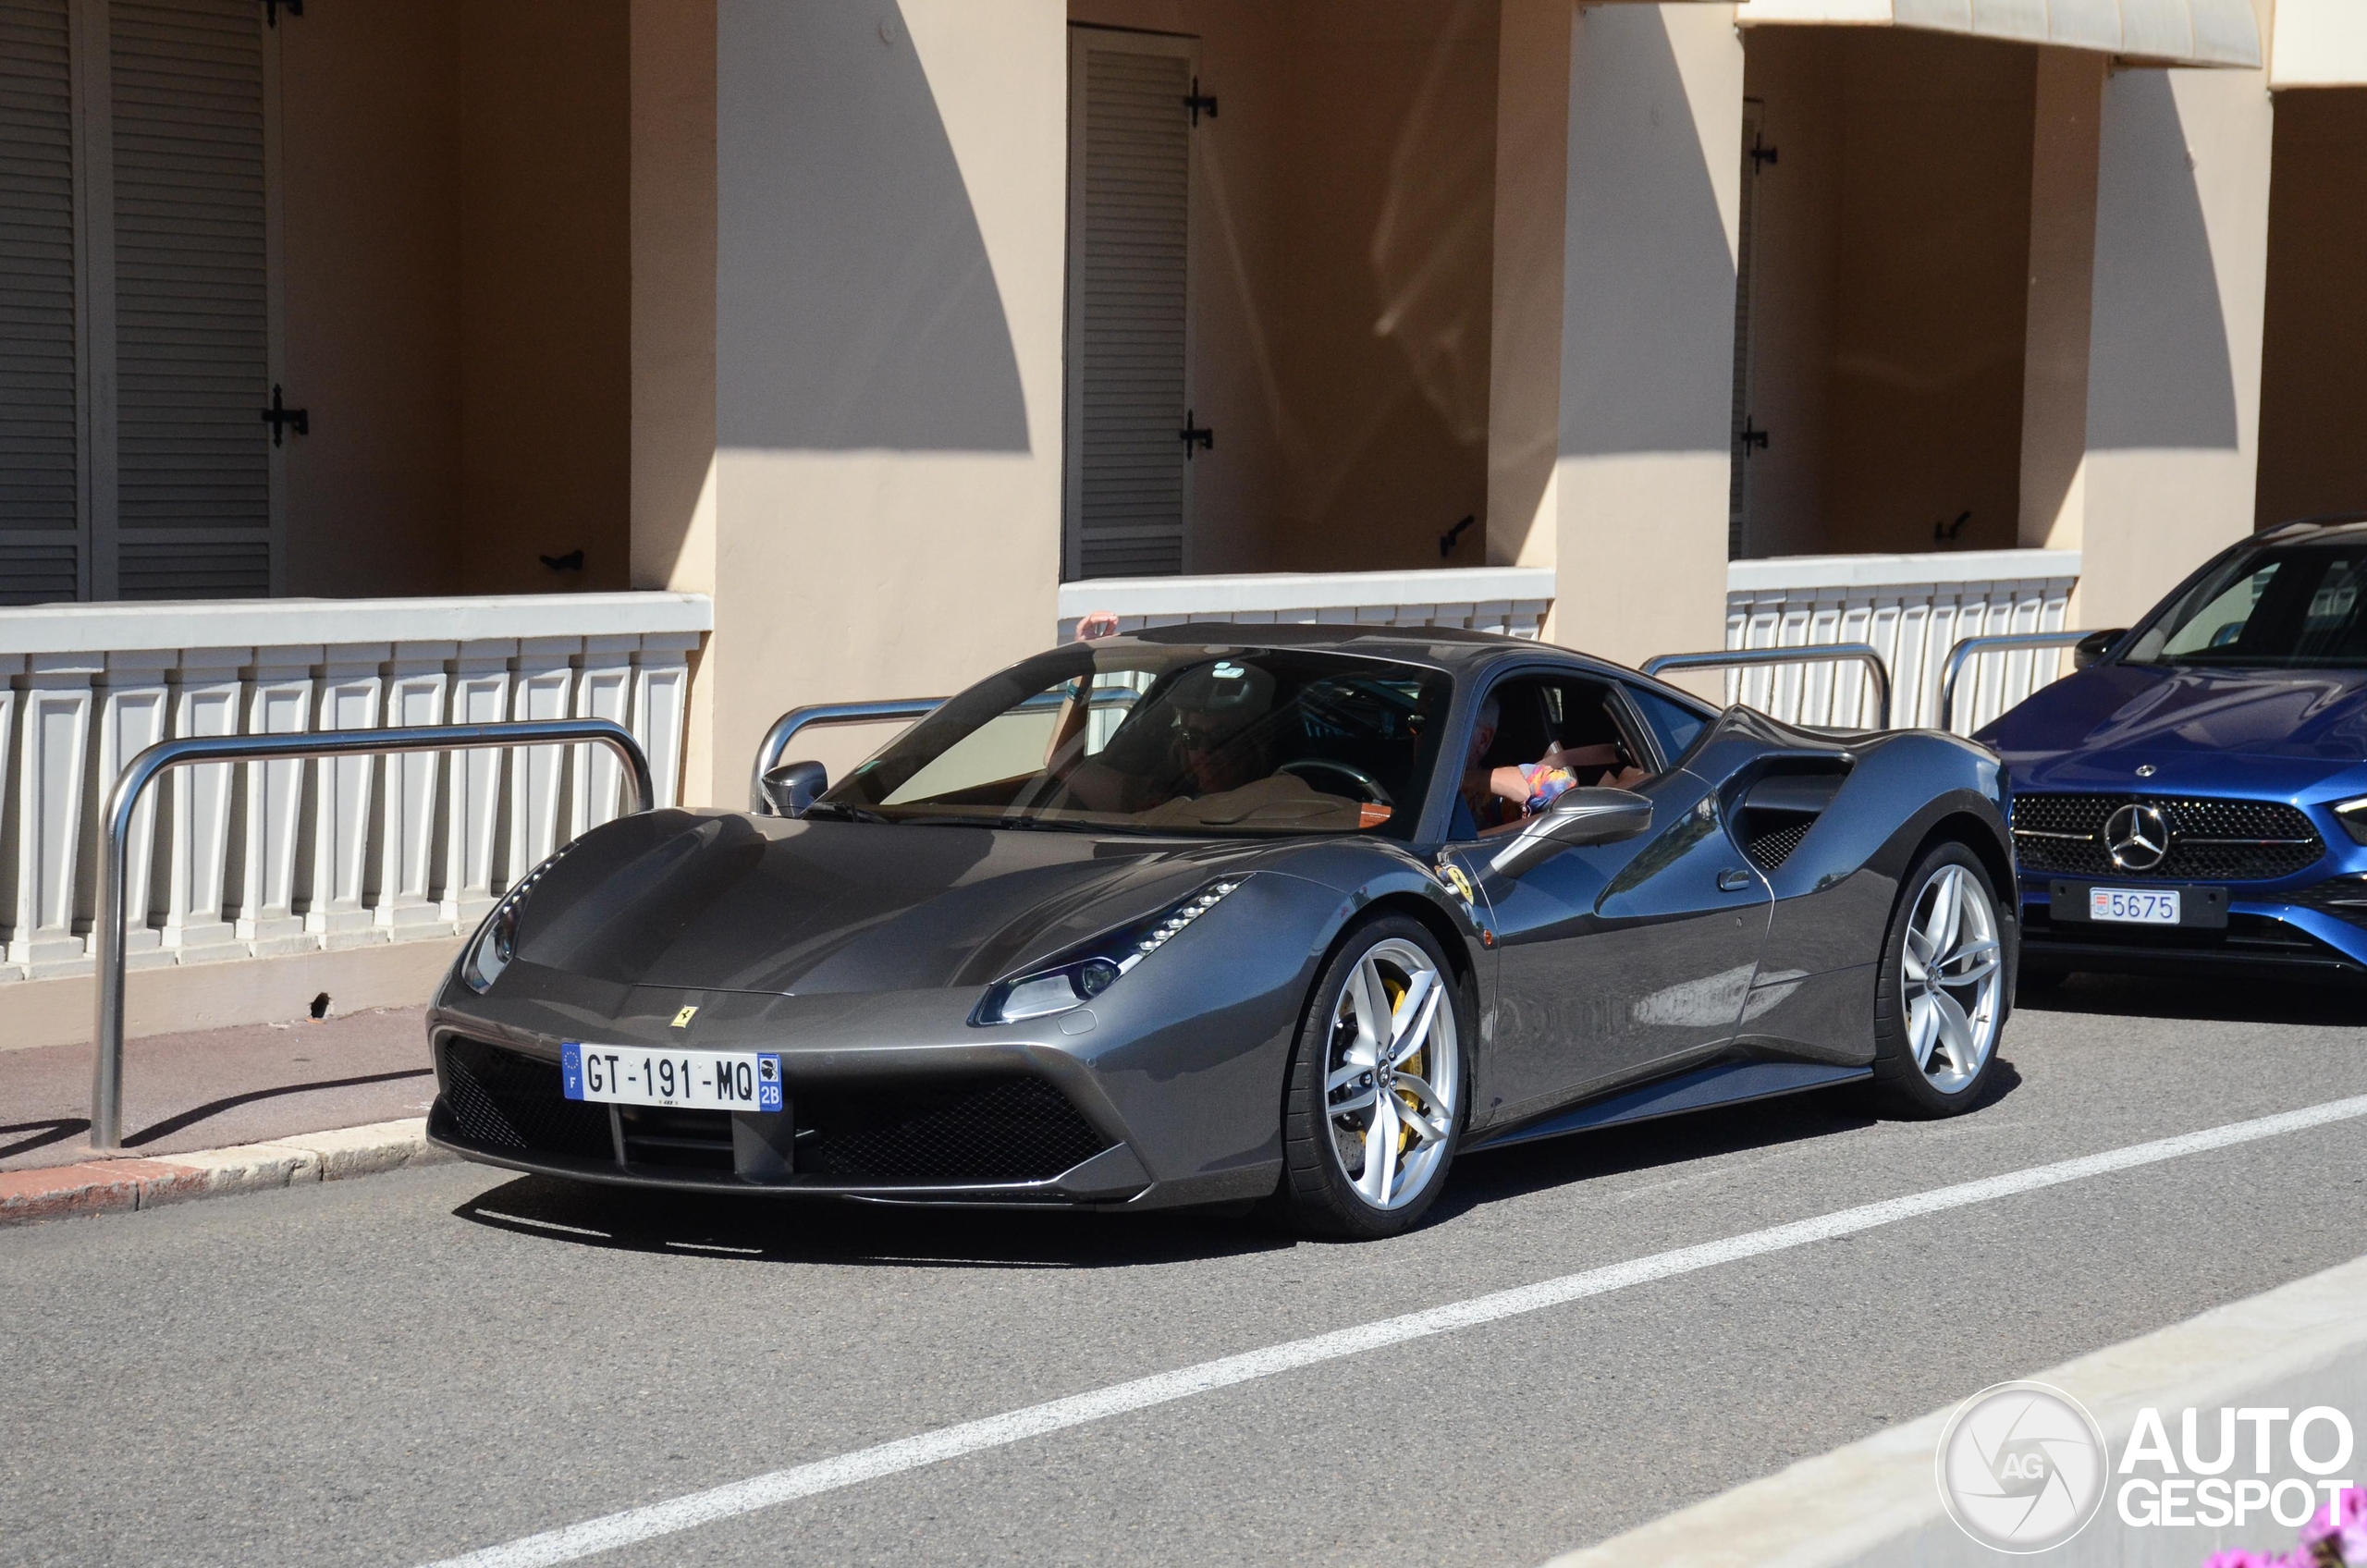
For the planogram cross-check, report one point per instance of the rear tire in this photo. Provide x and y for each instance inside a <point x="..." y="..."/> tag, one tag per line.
<point x="1378" y="1093"/>
<point x="1940" y="1000"/>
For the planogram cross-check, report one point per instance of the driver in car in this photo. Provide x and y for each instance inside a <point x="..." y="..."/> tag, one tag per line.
<point x="1499" y="797"/>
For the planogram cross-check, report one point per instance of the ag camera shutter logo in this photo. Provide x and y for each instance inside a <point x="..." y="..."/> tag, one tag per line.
<point x="2022" y="1467"/>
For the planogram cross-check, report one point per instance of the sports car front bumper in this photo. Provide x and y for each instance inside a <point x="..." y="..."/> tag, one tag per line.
<point x="1166" y="1089"/>
<point x="1002" y="1135"/>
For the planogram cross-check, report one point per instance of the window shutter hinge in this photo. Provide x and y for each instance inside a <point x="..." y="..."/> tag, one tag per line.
<point x="282" y="419"/>
<point x="1195" y="434"/>
<point x="1198" y="102"/>
<point x="1761" y="154"/>
<point x="271" y="9"/>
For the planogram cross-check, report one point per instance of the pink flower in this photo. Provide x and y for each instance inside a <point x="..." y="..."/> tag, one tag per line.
<point x="2345" y="1520"/>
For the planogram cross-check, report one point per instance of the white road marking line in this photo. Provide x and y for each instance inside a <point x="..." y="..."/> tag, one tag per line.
<point x="614" y="1530"/>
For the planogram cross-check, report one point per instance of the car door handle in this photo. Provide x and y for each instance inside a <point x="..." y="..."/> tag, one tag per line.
<point x="1732" y="881"/>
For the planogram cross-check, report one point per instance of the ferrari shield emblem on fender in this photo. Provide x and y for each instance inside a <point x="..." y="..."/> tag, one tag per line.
<point x="683" y="1019"/>
<point x="1454" y="877"/>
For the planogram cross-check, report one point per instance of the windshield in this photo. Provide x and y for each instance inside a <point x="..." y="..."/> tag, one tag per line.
<point x="1197" y="740"/>
<point x="2292" y="606"/>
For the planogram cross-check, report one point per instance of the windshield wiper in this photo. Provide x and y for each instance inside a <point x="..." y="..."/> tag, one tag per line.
<point x="846" y="812"/>
<point x="1030" y="823"/>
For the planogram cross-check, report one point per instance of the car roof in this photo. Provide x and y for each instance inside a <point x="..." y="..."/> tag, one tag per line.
<point x="1453" y="648"/>
<point x="2333" y="528"/>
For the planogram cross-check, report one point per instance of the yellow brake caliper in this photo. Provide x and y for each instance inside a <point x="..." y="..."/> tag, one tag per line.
<point x="1412" y="1064"/>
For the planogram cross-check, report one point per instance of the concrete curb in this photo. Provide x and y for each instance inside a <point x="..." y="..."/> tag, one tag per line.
<point x="1876" y="1504"/>
<point x="105" y="1186"/>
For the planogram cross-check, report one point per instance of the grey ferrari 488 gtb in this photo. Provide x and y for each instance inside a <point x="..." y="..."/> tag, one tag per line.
<point x="1218" y="913"/>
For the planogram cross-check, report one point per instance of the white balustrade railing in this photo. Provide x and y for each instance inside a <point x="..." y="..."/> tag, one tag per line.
<point x="260" y="859"/>
<point x="1506" y="599"/>
<point x="1912" y="608"/>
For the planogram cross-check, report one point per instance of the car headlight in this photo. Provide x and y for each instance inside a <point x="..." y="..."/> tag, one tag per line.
<point x="2352" y="815"/>
<point x="497" y="940"/>
<point x="1093" y="969"/>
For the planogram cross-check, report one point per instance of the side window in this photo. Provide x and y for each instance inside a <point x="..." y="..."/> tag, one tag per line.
<point x="1675" y="725"/>
<point x="1536" y="736"/>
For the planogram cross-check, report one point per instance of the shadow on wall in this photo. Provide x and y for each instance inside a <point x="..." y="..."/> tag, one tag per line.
<point x="856" y="307"/>
<point x="2161" y="339"/>
<point x="1647" y="246"/>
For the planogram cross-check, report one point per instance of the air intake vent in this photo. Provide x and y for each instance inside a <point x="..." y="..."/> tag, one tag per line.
<point x="991" y="1129"/>
<point x="504" y="1100"/>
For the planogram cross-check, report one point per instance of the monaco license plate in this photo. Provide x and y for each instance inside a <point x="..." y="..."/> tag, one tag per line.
<point x="695" y="1080"/>
<point x="2134" y="906"/>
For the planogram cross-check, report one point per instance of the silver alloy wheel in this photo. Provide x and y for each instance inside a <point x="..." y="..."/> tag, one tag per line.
<point x="1391" y="1073"/>
<point x="1953" y="978"/>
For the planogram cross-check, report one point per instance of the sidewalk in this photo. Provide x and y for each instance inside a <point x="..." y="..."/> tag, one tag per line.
<point x="219" y="1087"/>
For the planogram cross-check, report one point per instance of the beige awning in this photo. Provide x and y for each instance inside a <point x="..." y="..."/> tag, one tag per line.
<point x="2182" y="32"/>
<point x="2319" y="44"/>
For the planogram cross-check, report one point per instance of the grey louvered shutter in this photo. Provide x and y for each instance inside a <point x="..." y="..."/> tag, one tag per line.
<point x="40" y="420"/>
<point x="1128" y="494"/>
<point x="192" y="305"/>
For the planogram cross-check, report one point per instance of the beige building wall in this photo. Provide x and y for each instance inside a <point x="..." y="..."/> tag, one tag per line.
<point x="1887" y="295"/>
<point x="890" y="205"/>
<point x="546" y="301"/>
<point x="2181" y="273"/>
<point x="455" y="288"/>
<point x="1340" y="260"/>
<point x="2065" y="145"/>
<point x="2313" y="372"/>
<point x="1524" y="329"/>
<point x="370" y="135"/>
<point x="673" y="270"/>
<point x="1651" y="204"/>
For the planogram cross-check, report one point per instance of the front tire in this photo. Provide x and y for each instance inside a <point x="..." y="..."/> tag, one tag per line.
<point x="1375" y="1103"/>
<point x="1940" y="1001"/>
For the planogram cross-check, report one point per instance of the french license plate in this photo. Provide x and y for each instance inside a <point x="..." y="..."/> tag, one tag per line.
<point x="2134" y="906"/>
<point x="696" y="1080"/>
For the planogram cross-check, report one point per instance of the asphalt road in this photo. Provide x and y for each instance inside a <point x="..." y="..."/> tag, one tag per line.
<point x="397" y="1369"/>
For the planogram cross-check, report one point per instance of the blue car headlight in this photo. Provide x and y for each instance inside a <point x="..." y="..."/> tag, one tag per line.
<point x="2352" y="815"/>
<point x="496" y="943"/>
<point x="1096" y="966"/>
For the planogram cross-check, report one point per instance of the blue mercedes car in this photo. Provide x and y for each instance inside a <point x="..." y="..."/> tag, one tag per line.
<point x="2194" y="797"/>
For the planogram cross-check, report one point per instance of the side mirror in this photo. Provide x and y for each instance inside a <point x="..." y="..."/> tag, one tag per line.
<point x="2095" y="645"/>
<point x="1580" y="816"/>
<point x="790" y="787"/>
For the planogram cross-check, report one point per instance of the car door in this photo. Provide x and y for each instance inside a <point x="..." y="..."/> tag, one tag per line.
<point x="1617" y="959"/>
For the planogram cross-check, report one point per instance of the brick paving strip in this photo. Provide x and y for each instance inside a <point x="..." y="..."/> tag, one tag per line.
<point x="217" y="1111"/>
<point x="105" y="1186"/>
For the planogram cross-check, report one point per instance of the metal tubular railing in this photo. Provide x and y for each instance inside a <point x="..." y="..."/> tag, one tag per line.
<point x="1812" y="653"/>
<point x="785" y="728"/>
<point x="1964" y="652"/>
<point x="107" y="1073"/>
<point x="771" y="749"/>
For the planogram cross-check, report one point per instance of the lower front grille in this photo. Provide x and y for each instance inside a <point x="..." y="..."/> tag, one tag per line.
<point x="981" y="1130"/>
<point x="504" y="1100"/>
<point x="2211" y="840"/>
<point x="944" y="1132"/>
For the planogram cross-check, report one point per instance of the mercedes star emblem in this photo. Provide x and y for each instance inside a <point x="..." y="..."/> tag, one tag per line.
<point x="2138" y="836"/>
